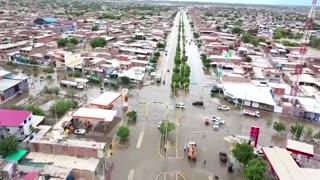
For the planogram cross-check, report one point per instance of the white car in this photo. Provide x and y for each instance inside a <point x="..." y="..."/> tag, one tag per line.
<point x="180" y="105"/>
<point x="223" y="107"/>
<point x="216" y="126"/>
<point x="218" y="120"/>
<point x="80" y="131"/>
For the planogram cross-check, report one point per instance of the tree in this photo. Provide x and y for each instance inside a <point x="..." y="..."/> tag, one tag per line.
<point x="62" y="42"/>
<point x="248" y="59"/>
<point x="297" y="130"/>
<point x="132" y="115"/>
<point x="95" y="28"/>
<point x="236" y="30"/>
<point x="246" y="38"/>
<point x="160" y="45"/>
<point x="196" y="35"/>
<point x="35" y="110"/>
<point x="309" y="132"/>
<point x="315" y="43"/>
<point x="317" y="135"/>
<point x="123" y="132"/>
<point x="243" y="153"/>
<point x="279" y="127"/>
<point x="125" y="80"/>
<point x="166" y="127"/>
<point x="62" y="106"/>
<point x="49" y="70"/>
<point x="8" y="145"/>
<point x="157" y="54"/>
<point x="98" y="42"/>
<point x="74" y="41"/>
<point x="255" y="170"/>
<point x="70" y="46"/>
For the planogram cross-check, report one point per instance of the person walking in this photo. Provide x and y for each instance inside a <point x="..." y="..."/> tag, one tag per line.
<point x="204" y="162"/>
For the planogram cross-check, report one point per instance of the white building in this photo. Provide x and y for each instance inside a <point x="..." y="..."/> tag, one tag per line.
<point x="15" y="122"/>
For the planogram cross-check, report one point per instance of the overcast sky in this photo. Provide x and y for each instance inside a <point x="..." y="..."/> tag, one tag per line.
<point x="269" y="2"/>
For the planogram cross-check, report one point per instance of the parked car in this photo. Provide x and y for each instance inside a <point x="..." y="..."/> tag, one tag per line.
<point x="216" y="126"/>
<point x="223" y="107"/>
<point x="198" y="103"/>
<point x="180" y="105"/>
<point x="80" y="131"/>
<point x="219" y="120"/>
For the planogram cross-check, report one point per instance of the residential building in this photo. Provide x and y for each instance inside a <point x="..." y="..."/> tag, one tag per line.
<point x="7" y="48"/>
<point x="43" y="39"/>
<point x="34" y="49"/>
<point x="9" y="88"/>
<point x="16" y="123"/>
<point x="67" y="60"/>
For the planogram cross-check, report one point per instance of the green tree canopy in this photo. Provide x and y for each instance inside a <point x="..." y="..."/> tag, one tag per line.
<point x="123" y="132"/>
<point x="279" y="127"/>
<point x="157" y="54"/>
<point x="236" y="30"/>
<point x="166" y="127"/>
<point x="62" y="106"/>
<point x="132" y="115"/>
<point x="64" y="42"/>
<point x="243" y="153"/>
<point x="98" y="42"/>
<point x="160" y="45"/>
<point x="8" y="145"/>
<point x="297" y="130"/>
<point x="74" y="41"/>
<point x="255" y="170"/>
<point x="317" y="135"/>
<point x="95" y="28"/>
<point x="125" y="80"/>
<point x="196" y="35"/>
<point x="315" y="43"/>
<point x="248" y="59"/>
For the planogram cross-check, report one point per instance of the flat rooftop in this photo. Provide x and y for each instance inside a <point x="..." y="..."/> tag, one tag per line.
<point x="8" y="83"/>
<point x="95" y="114"/>
<point x="54" y="135"/>
<point x="70" y="162"/>
<point x="105" y="99"/>
<point x="7" y="46"/>
<point x="300" y="147"/>
<point x="286" y="168"/>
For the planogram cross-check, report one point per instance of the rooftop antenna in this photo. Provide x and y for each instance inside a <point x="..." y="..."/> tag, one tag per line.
<point x="303" y="49"/>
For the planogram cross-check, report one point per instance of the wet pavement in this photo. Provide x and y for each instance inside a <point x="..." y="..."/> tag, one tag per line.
<point x="148" y="161"/>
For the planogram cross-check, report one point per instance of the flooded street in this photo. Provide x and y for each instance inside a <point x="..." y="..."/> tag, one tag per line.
<point x="149" y="162"/>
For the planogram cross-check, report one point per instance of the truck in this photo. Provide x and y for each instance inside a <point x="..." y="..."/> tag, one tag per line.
<point x="192" y="150"/>
<point x="94" y="79"/>
<point x="251" y="112"/>
<point x="158" y="77"/>
<point x="71" y="84"/>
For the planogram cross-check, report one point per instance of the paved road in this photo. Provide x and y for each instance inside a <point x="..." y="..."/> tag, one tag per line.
<point x="146" y="161"/>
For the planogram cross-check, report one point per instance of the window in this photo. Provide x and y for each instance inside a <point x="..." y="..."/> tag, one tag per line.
<point x="25" y="121"/>
<point x="277" y="76"/>
<point x="8" y="130"/>
<point x="29" y="119"/>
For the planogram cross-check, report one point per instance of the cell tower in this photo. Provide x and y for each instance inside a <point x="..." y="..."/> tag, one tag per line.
<point x="303" y="49"/>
